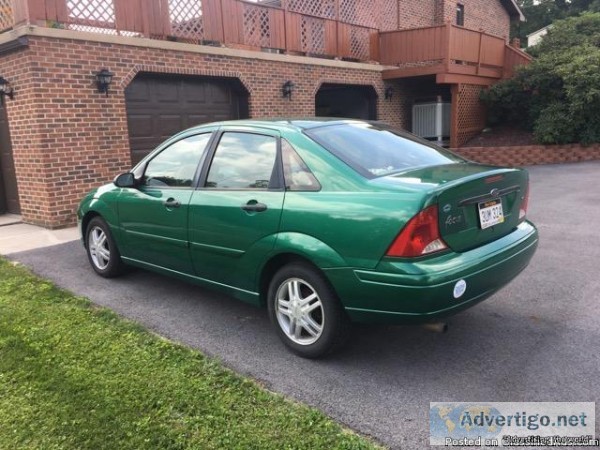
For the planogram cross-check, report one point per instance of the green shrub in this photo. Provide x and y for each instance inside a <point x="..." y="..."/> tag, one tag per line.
<point x="551" y="127"/>
<point x="504" y="97"/>
<point x="558" y="95"/>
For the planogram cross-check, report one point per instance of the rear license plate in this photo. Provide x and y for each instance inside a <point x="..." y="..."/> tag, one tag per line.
<point x="490" y="213"/>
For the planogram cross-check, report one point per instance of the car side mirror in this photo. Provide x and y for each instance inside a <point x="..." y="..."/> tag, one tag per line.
<point x="125" y="180"/>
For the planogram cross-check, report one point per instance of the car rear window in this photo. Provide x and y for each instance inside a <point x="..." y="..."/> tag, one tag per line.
<point x="375" y="150"/>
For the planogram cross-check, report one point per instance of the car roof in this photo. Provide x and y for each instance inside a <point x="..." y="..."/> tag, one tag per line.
<point x="279" y="123"/>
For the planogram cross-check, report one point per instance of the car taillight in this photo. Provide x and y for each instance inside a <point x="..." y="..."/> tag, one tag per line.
<point x="524" y="204"/>
<point x="420" y="236"/>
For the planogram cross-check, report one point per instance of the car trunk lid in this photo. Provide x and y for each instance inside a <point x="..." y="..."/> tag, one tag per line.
<point x="476" y="203"/>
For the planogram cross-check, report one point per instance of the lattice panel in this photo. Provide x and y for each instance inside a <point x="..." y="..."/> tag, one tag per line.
<point x="7" y="19"/>
<point x="257" y="31"/>
<point x="471" y="113"/>
<point x="186" y="19"/>
<point x="360" y="43"/>
<point x="318" y="8"/>
<point x="92" y="12"/>
<point x="312" y="35"/>
<point x="359" y="12"/>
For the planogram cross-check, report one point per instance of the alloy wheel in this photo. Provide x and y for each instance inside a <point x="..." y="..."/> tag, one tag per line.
<point x="299" y="311"/>
<point x="98" y="248"/>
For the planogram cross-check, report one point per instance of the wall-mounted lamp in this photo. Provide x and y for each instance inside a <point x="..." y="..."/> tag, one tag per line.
<point x="6" y="90"/>
<point x="287" y="89"/>
<point x="103" y="80"/>
<point x="389" y="93"/>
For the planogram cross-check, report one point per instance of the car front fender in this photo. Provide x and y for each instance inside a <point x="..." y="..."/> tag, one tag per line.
<point x="94" y="206"/>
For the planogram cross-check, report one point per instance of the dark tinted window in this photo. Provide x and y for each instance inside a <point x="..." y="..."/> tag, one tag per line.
<point x="176" y="165"/>
<point x="374" y="150"/>
<point x="298" y="176"/>
<point x="243" y="161"/>
<point x="460" y="15"/>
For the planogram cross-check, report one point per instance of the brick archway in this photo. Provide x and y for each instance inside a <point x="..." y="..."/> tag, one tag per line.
<point x="127" y="79"/>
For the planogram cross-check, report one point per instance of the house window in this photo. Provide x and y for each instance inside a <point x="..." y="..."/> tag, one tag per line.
<point x="460" y="15"/>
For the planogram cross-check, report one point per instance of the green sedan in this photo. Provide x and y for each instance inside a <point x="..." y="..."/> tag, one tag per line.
<point x="324" y="222"/>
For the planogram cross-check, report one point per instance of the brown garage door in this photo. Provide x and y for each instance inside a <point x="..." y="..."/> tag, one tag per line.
<point x="158" y="106"/>
<point x="9" y="194"/>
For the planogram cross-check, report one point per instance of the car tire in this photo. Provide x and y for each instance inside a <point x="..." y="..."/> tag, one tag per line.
<point x="306" y="312"/>
<point x="102" y="250"/>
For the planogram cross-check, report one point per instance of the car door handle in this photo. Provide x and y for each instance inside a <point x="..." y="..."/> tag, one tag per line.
<point x="254" y="206"/>
<point x="172" y="203"/>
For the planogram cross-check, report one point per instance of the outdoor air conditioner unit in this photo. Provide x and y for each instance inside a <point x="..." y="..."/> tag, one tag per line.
<point x="431" y="120"/>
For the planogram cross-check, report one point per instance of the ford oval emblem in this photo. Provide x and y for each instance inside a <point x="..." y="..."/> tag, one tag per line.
<point x="495" y="192"/>
<point x="447" y="208"/>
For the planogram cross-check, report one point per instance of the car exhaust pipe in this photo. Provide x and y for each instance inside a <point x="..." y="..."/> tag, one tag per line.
<point x="436" y="327"/>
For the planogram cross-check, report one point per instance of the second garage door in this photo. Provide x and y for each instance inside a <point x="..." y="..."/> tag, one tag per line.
<point x="159" y="106"/>
<point x="346" y="100"/>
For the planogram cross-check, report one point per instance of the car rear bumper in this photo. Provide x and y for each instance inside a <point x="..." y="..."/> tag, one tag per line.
<point x="403" y="291"/>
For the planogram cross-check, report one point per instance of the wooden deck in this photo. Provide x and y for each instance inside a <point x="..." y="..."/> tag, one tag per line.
<point x="455" y="54"/>
<point x="233" y="23"/>
<point x="313" y="29"/>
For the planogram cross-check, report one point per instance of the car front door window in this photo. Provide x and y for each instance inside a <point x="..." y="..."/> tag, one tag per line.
<point x="176" y="165"/>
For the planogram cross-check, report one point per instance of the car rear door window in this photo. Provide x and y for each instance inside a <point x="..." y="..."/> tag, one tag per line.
<point x="176" y="165"/>
<point x="243" y="161"/>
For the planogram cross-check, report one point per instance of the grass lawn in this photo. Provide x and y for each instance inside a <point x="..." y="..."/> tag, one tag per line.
<point x="75" y="376"/>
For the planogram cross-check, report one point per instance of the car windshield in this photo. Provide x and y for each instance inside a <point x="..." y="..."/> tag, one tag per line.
<point x="374" y="150"/>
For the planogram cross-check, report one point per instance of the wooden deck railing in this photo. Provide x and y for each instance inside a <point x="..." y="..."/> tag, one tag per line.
<point x="514" y="58"/>
<point x="317" y="31"/>
<point x="228" y="22"/>
<point x="415" y="46"/>
<point x="449" y="49"/>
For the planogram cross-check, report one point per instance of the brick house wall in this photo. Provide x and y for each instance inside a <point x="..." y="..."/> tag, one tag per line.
<point x="67" y="138"/>
<point x="20" y="68"/>
<point x="415" y="13"/>
<point x="489" y="16"/>
<point x="388" y="15"/>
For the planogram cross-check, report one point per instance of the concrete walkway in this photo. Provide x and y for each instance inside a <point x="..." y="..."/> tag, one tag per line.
<point x="9" y="219"/>
<point x="16" y="236"/>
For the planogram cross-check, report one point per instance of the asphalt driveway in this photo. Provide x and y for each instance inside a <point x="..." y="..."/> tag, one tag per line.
<point x="536" y="340"/>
